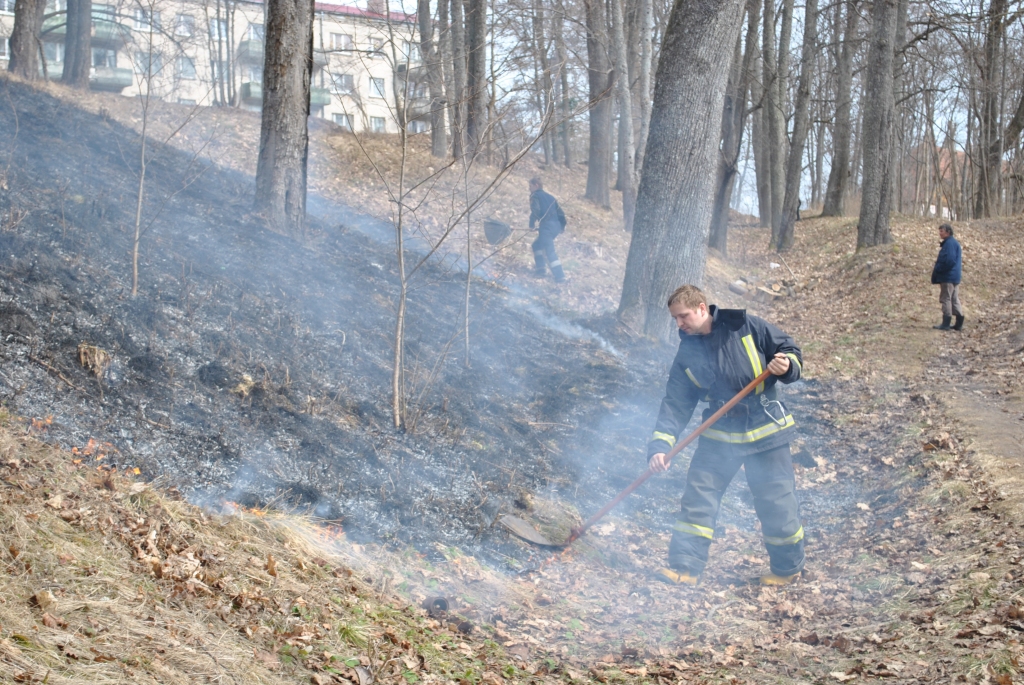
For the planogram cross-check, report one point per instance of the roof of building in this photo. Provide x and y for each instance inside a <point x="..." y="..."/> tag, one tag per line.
<point x="359" y="12"/>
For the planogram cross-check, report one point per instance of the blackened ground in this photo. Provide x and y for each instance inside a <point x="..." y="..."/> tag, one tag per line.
<point x="253" y="368"/>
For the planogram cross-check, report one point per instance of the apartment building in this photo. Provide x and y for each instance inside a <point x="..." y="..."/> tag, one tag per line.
<point x="367" y="74"/>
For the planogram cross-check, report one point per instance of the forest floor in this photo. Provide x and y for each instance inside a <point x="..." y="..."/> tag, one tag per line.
<point x="250" y="377"/>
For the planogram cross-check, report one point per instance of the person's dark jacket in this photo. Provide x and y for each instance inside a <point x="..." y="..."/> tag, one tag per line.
<point x="713" y="368"/>
<point x="948" y="265"/>
<point x="544" y="209"/>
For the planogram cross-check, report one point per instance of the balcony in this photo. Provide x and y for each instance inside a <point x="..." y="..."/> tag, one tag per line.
<point x="111" y="79"/>
<point x="107" y="33"/>
<point x="252" y="93"/>
<point x="319" y="97"/>
<point x="250" y="51"/>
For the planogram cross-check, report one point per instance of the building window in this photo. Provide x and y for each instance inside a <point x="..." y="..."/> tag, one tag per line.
<point x="218" y="70"/>
<point x="52" y="6"/>
<point x="218" y="29"/>
<point x="411" y="51"/>
<point x="377" y="48"/>
<point x="377" y="124"/>
<point x="146" y="19"/>
<point x="419" y="91"/>
<point x="5" y="49"/>
<point x="148" y="62"/>
<point x="344" y="121"/>
<point x="254" y="74"/>
<point x="6" y="7"/>
<point x="255" y="32"/>
<point x="186" y="68"/>
<point x="104" y="59"/>
<point x="376" y="87"/>
<point x="185" y="25"/>
<point x="417" y="127"/>
<point x="345" y="84"/>
<point x="102" y="12"/>
<point x="53" y="52"/>
<point x="186" y="101"/>
<point x="341" y="41"/>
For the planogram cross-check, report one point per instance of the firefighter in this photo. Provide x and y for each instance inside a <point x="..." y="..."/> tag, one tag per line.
<point x="720" y="352"/>
<point x="548" y="217"/>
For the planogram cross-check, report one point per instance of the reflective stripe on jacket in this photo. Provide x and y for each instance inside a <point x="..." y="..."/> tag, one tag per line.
<point x="713" y="368"/>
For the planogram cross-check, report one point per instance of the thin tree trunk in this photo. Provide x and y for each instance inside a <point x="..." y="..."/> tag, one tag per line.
<point x="24" y="41"/>
<point x="777" y="116"/>
<point x="762" y="174"/>
<point x="77" y="44"/>
<point x="733" y="120"/>
<point x="646" y="16"/>
<point x="476" y="82"/>
<point x="801" y="125"/>
<point x="673" y="212"/>
<point x="541" y="77"/>
<point x="284" y="136"/>
<point x="459" y="76"/>
<point x="563" y="74"/>
<point x="627" y="151"/>
<point x="599" y="80"/>
<point x="770" y="125"/>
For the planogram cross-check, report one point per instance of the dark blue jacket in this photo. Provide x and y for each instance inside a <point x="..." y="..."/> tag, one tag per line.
<point x="714" y="367"/>
<point x="544" y="209"/>
<point x="947" y="266"/>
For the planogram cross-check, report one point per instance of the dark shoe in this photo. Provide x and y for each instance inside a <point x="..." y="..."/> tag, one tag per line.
<point x="674" y="577"/>
<point x="959" y="325"/>
<point x="944" y="326"/>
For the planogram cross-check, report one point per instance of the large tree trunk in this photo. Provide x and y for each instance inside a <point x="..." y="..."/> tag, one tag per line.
<point x="627" y="150"/>
<point x="991" y="100"/>
<point x="801" y="125"/>
<point x="77" y="44"/>
<point x="877" y="127"/>
<point x="476" y="82"/>
<point x="839" y="175"/>
<point x="646" y="31"/>
<point x="24" y="40"/>
<point x="599" y="80"/>
<point x="733" y="119"/>
<point x="673" y="211"/>
<point x="435" y="82"/>
<point x="284" y="137"/>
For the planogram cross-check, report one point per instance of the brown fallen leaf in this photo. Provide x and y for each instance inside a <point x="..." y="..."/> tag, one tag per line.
<point x="51" y="621"/>
<point x="45" y="600"/>
<point x="271" y="565"/>
<point x="841" y="676"/>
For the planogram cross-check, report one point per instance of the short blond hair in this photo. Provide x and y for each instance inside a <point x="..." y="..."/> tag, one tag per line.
<point x="690" y="296"/>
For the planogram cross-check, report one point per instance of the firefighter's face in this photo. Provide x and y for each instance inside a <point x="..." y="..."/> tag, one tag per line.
<point x="691" y="321"/>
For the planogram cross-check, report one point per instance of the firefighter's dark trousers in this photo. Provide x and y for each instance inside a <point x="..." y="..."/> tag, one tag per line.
<point x="544" y="247"/>
<point x="770" y="477"/>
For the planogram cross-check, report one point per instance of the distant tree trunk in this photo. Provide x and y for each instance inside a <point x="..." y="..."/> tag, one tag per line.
<point x="772" y="123"/>
<point x="801" y="126"/>
<point x="77" y="44"/>
<point x="777" y="117"/>
<point x="627" y="151"/>
<point x="879" y="113"/>
<point x="563" y="77"/>
<point x="991" y="137"/>
<point x="673" y="211"/>
<point x="435" y="80"/>
<point x="839" y="175"/>
<point x="284" y="137"/>
<point x="646" y="31"/>
<point x="733" y="120"/>
<point x="24" y="40"/>
<point x="542" y="77"/>
<point x="459" y="77"/>
<point x="476" y="81"/>
<point x="762" y="174"/>
<point x="599" y="78"/>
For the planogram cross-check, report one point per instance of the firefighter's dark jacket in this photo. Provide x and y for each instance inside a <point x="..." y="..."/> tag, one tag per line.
<point x="544" y="208"/>
<point x="948" y="265"/>
<point x="713" y="368"/>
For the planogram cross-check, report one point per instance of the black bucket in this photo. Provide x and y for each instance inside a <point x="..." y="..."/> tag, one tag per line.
<point x="496" y="231"/>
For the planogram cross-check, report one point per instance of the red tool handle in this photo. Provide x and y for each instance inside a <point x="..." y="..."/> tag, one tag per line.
<point x="679" y="447"/>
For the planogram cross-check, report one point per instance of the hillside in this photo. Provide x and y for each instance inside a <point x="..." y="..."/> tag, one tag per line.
<point x="250" y="379"/>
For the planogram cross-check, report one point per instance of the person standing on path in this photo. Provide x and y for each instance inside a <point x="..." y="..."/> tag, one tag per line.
<point x="946" y="274"/>
<point x="548" y="217"/>
<point x="720" y="352"/>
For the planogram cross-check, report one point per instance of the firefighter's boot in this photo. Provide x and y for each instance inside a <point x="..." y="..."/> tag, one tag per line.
<point x="772" y="580"/>
<point x="944" y="326"/>
<point x="959" y="325"/>
<point x="674" y="577"/>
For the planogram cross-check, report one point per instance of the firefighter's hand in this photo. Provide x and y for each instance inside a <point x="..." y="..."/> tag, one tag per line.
<point x="779" y="365"/>
<point x="658" y="463"/>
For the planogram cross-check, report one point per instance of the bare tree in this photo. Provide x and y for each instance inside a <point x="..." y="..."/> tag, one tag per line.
<point x="839" y="172"/>
<point x="77" y="44"/>
<point x="24" y="41"/>
<point x="284" y="136"/>
<point x="673" y="210"/>
<point x="599" y="76"/>
<point x="435" y="80"/>
<point x="627" y="158"/>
